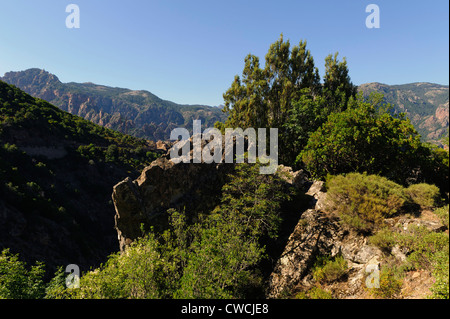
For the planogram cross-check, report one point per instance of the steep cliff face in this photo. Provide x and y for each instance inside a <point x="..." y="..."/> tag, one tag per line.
<point x="139" y="113"/>
<point x="194" y="188"/>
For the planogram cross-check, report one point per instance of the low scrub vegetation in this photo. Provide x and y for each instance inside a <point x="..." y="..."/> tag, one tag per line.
<point x="425" y="250"/>
<point x="363" y="201"/>
<point x="327" y="269"/>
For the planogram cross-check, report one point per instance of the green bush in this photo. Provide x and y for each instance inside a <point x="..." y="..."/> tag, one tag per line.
<point x="327" y="270"/>
<point x="384" y="239"/>
<point x="440" y="288"/>
<point x="391" y="283"/>
<point x="363" y="201"/>
<point x="442" y="213"/>
<point x="425" y="195"/>
<point x="423" y="245"/>
<point x="314" y="293"/>
<point x="18" y="282"/>
<point x="364" y="138"/>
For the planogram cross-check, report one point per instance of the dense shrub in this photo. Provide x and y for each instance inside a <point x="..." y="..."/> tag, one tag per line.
<point x="442" y="213"/>
<point x="363" y="201"/>
<point x="328" y="269"/>
<point x="425" y="195"/>
<point x="384" y="239"/>
<point x="19" y="282"/>
<point x="363" y="138"/>
<point x="423" y="245"/>
<point x="440" y="288"/>
<point x="391" y="283"/>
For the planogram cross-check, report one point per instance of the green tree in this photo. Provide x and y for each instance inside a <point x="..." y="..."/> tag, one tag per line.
<point x="111" y="153"/>
<point x="337" y="86"/>
<point x="287" y="94"/>
<point x="288" y="72"/>
<point x="227" y="251"/>
<point x="307" y="114"/>
<point x="364" y="138"/>
<point x="254" y="200"/>
<point x="221" y="261"/>
<point x="434" y="167"/>
<point x="264" y="95"/>
<point x="244" y="100"/>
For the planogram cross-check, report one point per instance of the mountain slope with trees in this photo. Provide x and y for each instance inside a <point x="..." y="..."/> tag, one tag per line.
<point x="425" y="104"/>
<point x="56" y="175"/>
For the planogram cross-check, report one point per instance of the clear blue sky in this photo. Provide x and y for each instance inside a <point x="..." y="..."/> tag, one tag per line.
<point x="190" y="51"/>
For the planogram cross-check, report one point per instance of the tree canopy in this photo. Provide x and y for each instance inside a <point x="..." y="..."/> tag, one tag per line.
<point x="366" y="137"/>
<point x="288" y="83"/>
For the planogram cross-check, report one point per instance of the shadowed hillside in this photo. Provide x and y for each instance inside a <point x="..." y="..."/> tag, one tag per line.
<point x="56" y="175"/>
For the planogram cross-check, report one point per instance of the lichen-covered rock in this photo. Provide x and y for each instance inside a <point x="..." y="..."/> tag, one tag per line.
<point x="313" y="235"/>
<point x="319" y="234"/>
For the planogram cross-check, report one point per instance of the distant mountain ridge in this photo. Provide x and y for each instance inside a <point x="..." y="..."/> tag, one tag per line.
<point x="426" y="105"/>
<point x="138" y="113"/>
<point x="142" y="114"/>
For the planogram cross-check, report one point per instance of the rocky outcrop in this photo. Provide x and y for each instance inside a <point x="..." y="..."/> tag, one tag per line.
<point x="313" y="235"/>
<point x="194" y="188"/>
<point x="319" y="233"/>
<point x="164" y="185"/>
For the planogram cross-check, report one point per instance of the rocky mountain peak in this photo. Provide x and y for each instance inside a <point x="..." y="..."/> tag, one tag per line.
<point x="31" y="78"/>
